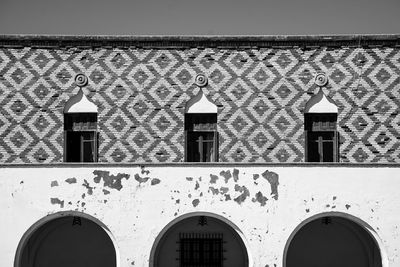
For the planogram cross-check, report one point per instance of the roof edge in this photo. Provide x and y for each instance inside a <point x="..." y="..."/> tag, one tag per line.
<point x="200" y="40"/>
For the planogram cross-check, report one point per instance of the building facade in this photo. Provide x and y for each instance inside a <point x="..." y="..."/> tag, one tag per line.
<point x="200" y="151"/>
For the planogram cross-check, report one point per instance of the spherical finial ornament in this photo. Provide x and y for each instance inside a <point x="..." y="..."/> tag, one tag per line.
<point x="81" y="80"/>
<point x="321" y="79"/>
<point x="201" y="80"/>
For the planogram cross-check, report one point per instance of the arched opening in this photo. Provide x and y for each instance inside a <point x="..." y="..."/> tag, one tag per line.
<point x="199" y="240"/>
<point x="331" y="240"/>
<point x="66" y="241"/>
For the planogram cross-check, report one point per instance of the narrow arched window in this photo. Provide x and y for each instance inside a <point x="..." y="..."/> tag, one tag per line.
<point x="321" y="136"/>
<point x="201" y="135"/>
<point x="80" y="130"/>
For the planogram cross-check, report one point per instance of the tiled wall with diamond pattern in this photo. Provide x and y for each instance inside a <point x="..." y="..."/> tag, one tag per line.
<point x="141" y="94"/>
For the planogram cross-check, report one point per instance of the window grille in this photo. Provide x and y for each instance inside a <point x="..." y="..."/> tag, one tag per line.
<point x="201" y="250"/>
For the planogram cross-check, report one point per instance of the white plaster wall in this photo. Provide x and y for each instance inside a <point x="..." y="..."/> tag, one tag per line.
<point x="149" y="198"/>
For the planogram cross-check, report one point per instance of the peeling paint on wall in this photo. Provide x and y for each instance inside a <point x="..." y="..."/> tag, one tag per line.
<point x="245" y="203"/>
<point x="273" y="179"/>
<point x="259" y="197"/>
<point x="155" y="181"/>
<point x="88" y="187"/>
<point x="213" y="179"/>
<point x="224" y="190"/>
<point x="144" y="171"/>
<point x="226" y="174"/>
<point x="213" y="190"/>
<point x="195" y="202"/>
<point x="242" y="197"/>
<point x="111" y="181"/>
<point x="140" y="179"/>
<point x="71" y="180"/>
<point x="55" y="201"/>
<point x="235" y="175"/>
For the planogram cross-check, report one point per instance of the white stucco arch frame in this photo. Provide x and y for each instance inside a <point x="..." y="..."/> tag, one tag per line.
<point x="233" y="226"/>
<point x="31" y="230"/>
<point x="361" y="223"/>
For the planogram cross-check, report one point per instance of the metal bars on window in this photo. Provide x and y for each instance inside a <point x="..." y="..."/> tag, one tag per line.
<point x="201" y="250"/>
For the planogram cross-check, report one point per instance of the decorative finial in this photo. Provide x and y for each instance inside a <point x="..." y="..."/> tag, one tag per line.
<point x="321" y="79"/>
<point x="201" y="80"/>
<point x="76" y="221"/>
<point x="202" y="221"/>
<point x="81" y="80"/>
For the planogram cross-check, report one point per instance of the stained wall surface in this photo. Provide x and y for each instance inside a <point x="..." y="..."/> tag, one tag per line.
<point x="141" y="87"/>
<point x="264" y="204"/>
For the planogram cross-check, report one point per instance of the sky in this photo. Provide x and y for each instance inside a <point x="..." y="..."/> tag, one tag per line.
<point x="200" y="17"/>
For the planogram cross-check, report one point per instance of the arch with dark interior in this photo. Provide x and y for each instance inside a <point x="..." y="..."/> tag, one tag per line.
<point x="331" y="240"/>
<point x="199" y="240"/>
<point x="66" y="241"/>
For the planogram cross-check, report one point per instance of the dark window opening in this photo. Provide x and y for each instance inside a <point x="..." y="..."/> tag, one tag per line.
<point x="321" y="137"/>
<point x="201" y="138"/>
<point x="81" y="137"/>
<point x="201" y="250"/>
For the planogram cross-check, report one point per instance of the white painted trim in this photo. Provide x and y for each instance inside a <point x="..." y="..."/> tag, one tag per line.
<point x="200" y="104"/>
<point x="320" y="103"/>
<point x="79" y="103"/>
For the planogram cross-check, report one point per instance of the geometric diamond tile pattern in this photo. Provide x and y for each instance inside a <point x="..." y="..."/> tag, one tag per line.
<point x="141" y="95"/>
